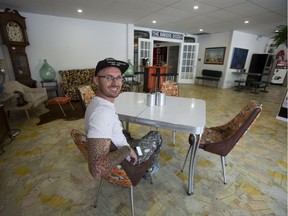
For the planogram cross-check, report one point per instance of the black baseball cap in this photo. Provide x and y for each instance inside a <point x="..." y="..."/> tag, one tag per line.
<point x="111" y="62"/>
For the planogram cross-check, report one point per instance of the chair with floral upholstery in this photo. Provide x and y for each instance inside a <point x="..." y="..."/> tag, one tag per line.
<point x="221" y="140"/>
<point x="124" y="174"/>
<point x="86" y="93"/>
<point x="170" y="88"/>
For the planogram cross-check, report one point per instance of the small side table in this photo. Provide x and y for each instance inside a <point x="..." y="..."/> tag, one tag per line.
<point x="51" y="86"/>
<point x="60" y="100"/>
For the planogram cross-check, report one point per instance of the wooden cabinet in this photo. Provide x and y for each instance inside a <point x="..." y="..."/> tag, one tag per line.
<point x="150" y="77"/>
<point x="4" y="126"/>
<point x="14" y="36"/>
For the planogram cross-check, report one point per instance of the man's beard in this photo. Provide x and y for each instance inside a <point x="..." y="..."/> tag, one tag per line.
<point x="109" y="92"/>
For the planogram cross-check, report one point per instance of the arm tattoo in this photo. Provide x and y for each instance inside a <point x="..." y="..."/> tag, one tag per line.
<point x="100" y="159"/>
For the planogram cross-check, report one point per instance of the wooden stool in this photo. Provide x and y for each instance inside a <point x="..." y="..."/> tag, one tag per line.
<point x="59" y="101"/>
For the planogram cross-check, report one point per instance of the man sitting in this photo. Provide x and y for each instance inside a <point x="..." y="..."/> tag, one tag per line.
<point x="104" y="129"/>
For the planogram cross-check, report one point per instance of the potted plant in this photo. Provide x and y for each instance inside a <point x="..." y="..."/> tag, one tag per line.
<point x="280" y="36"/>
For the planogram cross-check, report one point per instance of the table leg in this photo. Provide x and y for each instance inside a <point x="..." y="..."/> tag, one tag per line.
<point x="195" y="147"/>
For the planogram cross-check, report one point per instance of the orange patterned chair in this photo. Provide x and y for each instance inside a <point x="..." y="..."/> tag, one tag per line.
<point x="124" y="174"/>
<point x="170" y="88"/>
<point x="221" y="140"/>
<point x="86" y="93"/>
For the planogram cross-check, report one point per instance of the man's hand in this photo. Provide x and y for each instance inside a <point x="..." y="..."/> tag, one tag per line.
<point x="133" y="156"/>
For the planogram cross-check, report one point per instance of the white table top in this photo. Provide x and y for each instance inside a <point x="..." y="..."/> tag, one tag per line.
<point x="180" y="114"/>
<point x="129" y="105"/>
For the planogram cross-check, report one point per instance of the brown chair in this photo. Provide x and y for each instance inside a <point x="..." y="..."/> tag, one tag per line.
<point x="221" y="140"/>
<point x="124" y="174"/>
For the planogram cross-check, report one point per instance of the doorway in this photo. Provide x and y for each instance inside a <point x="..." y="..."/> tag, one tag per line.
<point x="166" y="53"/>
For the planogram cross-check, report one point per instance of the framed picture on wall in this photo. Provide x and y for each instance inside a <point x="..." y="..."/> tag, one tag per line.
<point x="214" y="55"/>
<point x="239" y="58"/>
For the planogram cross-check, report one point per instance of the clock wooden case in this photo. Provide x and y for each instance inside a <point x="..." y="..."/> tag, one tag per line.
<point x="14" y="36"/>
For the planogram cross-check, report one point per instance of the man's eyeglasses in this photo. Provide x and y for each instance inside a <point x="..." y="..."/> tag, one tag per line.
<point x="111" y="78"/>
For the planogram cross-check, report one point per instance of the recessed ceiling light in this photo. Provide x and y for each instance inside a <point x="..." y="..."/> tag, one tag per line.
<point x="154" y="21"/>
<point x="196" y="7"/>
<point x="79" y="11"/>
<point x="200" y="30"/>
<point x="246" y="21"/>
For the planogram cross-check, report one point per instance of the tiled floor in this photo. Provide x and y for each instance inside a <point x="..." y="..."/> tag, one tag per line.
<point x="43" y="173"/>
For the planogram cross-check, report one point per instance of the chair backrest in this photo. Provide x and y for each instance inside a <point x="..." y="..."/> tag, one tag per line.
<point x="243" y="120"/>
<point x="170" y="88"/>
<point x="80" y="141"/>
<point x="86" y="94"/>
<point x="234" y="130"/>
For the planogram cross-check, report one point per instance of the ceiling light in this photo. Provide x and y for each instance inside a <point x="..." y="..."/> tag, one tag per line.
<point x="246" y="21"/>
<point x="79" y="11"/>
<point x="196" y="7"/>
<point x="154" y="21"/>
<point x="200" y="30"/>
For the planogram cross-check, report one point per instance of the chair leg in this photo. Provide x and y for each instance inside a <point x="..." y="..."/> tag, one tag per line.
<point x="186" y="158"/>
<point x="223" y="162"/>
<point x="132" y="200"/>
<point x="174" y="137"/>
<point x="98" y="192"/>
<point x="151" y="180"/>
<point x="61" y="109"/>
<point x="71" y="106"/>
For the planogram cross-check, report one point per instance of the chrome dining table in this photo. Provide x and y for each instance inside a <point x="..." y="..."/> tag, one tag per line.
<point x="178" y="114"/>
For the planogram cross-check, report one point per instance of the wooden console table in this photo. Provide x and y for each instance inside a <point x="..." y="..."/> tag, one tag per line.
<point x="150" y="80"/>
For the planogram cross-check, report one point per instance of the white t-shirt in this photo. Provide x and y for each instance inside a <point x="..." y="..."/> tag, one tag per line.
<point x="102" y="121"/>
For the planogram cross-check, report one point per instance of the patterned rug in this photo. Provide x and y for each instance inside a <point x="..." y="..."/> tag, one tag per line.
<point x="55" y="113"/>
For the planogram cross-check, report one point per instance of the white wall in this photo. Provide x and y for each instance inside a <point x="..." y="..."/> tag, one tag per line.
<point x="75" y="43"/>
<point x="71" y="43"/>
<point x="213" y="40"/>
<point x="253" y="43"/>
<point x="230" y="40"/>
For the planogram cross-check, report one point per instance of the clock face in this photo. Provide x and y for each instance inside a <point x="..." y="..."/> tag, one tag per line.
<point x="14" y="32"/>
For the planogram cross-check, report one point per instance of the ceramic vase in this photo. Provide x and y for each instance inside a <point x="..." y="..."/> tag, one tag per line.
<point x="47" y="72"/>
<point x="130" y="70"/>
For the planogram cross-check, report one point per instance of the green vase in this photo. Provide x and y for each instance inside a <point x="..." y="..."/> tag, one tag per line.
<point x="130" y="70"/>
<point x="47" y="72"/>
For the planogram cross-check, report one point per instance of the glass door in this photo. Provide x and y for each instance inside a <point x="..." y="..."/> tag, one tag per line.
<point x="188" y="59"/>
<point x="144" y="51"/>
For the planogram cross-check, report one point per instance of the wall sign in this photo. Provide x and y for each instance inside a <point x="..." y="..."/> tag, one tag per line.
<point x="167" y="35"/>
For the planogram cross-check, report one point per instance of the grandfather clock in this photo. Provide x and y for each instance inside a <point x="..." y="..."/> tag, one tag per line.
<point x="14" y="36"/>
